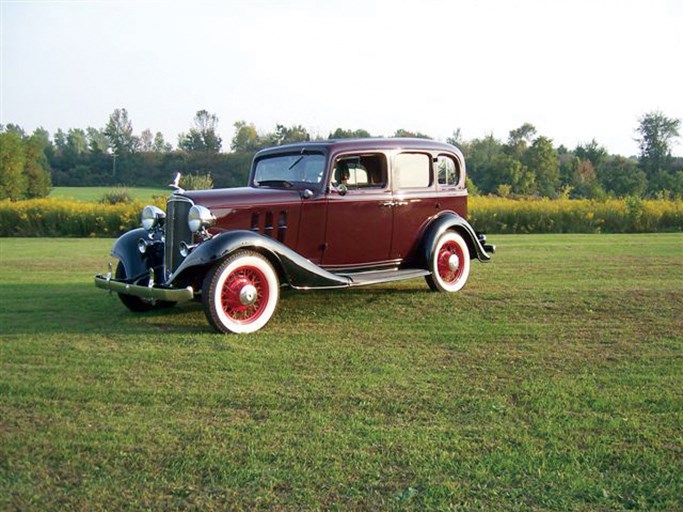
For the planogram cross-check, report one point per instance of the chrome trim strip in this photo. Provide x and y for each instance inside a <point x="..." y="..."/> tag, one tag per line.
<point x="168" y="294"/>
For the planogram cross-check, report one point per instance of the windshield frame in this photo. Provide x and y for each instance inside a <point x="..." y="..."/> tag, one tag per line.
<point x="292" y="171"/>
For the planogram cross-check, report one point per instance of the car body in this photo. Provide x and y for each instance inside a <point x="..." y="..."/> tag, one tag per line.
<point x="328" y="214"/>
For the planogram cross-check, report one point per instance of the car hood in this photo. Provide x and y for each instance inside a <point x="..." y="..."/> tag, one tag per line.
<point x="226" y="198"/>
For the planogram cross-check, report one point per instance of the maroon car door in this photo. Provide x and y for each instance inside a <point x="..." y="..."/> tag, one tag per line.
<point x="359" y="212"/>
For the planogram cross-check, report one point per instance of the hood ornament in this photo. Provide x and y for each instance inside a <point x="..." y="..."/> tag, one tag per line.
<point x="175" y="185"/>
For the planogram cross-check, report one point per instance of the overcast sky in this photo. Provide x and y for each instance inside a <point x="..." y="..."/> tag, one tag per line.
<point x="575" y="69"/>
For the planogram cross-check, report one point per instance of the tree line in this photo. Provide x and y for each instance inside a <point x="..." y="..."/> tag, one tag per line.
<point x="526" y="164"/>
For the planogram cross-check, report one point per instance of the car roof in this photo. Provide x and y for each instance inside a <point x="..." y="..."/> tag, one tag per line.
<point x="365" y="144"/>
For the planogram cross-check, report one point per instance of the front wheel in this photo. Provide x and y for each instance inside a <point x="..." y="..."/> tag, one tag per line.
<point x="449" y="263"/>
<point x="241" y="293"/>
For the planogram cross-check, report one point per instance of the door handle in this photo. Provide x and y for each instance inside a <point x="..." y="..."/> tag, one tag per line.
<point x="387" y="204"/>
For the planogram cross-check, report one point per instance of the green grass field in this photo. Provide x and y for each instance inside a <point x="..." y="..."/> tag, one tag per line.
<point x="96" y="193"/>
<point x="553" y="381"/>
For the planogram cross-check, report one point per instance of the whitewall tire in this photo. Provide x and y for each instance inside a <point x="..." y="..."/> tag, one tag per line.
<point x="449" y="263"/>
<point x="241" y="293"/>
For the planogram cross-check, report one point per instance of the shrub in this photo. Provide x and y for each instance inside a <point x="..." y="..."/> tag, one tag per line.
<point x="61" y="217"/>
<point x="499" y="215"/>
<point x="196" y="181"/>
<point x="116" y="196"/>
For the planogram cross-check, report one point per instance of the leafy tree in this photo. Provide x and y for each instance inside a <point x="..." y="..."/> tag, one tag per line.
<point x="288" y="135"/>
<point x="456" y="139"/>
<point x="60" y="140"/>
<point x="519" y="139"/>
<point x="160" y="145"/>
<point x="37" y="169"/>
<point x="97" y="140"/>
<point x="13" y="180"/>
<point x="622" y="177"/>
<point x="340" y="133"/>
<point x="146" y="140"/>
<point x="202" y="136"/>
<point x="405" y="133"/>
<point x="482" y="157"/>
<point x="119" y="132"/>
<point x="541" y="159"/>
<point x="76" y="142"/>
<point x="246" y="138"/>
<point x="15" y="128"/>
<point x="657" y="133"/>
<point x="593" y="152"/>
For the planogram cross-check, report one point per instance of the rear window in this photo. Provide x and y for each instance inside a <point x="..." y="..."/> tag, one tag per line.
<point x="447" y="170"/>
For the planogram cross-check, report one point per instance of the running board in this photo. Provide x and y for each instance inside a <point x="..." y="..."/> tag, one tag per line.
<point x="383" y="276"/>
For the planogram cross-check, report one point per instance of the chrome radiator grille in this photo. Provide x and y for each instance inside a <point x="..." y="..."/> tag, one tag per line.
<point x="177" y="231"/>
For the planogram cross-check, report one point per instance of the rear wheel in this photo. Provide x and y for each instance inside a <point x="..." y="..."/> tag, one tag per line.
<point x="449" y="264"/>
<point x="241" y="293"/>
<point x="138" y="304"/>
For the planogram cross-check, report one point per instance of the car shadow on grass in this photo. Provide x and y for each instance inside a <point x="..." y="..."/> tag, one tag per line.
<point x="80" y="308"/>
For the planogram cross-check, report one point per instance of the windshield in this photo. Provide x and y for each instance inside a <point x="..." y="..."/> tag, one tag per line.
<point x="289" y="170"/>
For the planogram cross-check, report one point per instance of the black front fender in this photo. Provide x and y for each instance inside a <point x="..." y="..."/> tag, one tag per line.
<point x="294" y="269"/>
<point x="126" y="250"/>
<point x="454" y="222"/>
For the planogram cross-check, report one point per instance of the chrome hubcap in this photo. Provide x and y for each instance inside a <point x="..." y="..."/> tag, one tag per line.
<point x="453" y="262"/>
<point x="248" y="295"/>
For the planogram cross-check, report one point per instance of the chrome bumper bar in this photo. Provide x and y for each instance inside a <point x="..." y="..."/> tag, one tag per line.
<point x="146" y="292"/>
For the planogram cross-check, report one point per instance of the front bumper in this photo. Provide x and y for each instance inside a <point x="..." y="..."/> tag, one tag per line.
<point x="146" y="292"/>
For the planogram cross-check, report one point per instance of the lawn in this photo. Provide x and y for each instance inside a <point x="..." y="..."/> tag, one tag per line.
<point x="553" y="381"/>
<point x="96" y="193"/>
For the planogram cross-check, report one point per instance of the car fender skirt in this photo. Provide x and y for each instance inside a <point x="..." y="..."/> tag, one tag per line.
<point x="454" y="222"/>
<point x="295" y="270"/>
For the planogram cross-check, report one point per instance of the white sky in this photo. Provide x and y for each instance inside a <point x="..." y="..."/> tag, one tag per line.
<point x="576" y="69"/>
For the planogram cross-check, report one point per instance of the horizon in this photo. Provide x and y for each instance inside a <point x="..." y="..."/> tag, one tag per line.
<point x="570" y="68"/>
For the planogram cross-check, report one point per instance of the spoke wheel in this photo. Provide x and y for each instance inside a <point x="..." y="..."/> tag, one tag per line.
<point x="241" y="293"/>
<point x="449" y="263"/>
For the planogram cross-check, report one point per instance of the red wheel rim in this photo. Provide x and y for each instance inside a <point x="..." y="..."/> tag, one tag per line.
<point x="232" y="299"/>
<point x="446" y="252"/>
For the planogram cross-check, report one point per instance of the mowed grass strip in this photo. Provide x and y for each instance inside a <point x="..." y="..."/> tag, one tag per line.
<point x="96" y="193"/>
<point x="551" y="382"/>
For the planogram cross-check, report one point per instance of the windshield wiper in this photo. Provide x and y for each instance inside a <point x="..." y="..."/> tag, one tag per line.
<point x="275" y="183"/>
<point x="295" y="162"/>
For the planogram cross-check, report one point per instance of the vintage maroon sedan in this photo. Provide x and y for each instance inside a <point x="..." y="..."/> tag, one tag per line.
<point x="330" y="214"/>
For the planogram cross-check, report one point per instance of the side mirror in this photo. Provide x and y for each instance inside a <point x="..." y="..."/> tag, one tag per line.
<point x="342" y="189"/>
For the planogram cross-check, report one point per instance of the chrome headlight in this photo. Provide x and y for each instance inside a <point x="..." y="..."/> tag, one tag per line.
<point x="199" y="218"/>
<point x="152" y="217"/>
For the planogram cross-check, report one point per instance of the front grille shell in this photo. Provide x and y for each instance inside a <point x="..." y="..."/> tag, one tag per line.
<point x="177" y="231"/>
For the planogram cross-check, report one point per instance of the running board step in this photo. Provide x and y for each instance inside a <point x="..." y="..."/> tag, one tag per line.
<point x="383" y="276"/>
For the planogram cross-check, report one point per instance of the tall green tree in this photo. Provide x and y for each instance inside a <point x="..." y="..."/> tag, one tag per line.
<point x="246" y="138"/>
<point x="288" y="135"/>
<point x="119" y="132"/>
<point x="622" y="177"/>
<point x="656" y="135"/>
<point x="519" y="140"/>
<point x="76" y="141"/>
<point x="160" y="145"/>
<point x="13" y="180"/>
<point x="541" y="159"/>
<point x="203" y="136"/>
<point x="36" y="169"/>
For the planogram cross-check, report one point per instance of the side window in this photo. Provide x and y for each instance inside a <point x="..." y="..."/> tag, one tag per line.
<point x="448" y="171"/>
<point x="360" y="171"/>
<point x="412" y="170"/>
